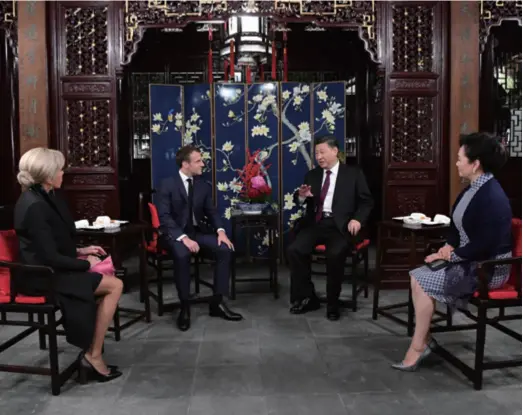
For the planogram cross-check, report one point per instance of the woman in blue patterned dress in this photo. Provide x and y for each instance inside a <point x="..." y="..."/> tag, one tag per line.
<point x="480" y="230"/>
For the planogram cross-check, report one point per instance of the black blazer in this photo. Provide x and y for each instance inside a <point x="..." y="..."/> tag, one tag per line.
<point x="45" y="230"/>
<point x="173" y="208"/>
<point x="352" y="198"/>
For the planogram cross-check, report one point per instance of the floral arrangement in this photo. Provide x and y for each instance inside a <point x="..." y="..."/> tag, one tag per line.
<point x="254" y="188"/>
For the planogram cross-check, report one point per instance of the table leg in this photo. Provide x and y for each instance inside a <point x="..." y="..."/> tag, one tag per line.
<point x="377" y="277"/>
<point x="410" y="310"/>
<point x="144" y="282"/>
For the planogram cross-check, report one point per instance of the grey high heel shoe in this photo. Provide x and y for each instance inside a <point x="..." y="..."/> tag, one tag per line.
<point x="412" y="368"/>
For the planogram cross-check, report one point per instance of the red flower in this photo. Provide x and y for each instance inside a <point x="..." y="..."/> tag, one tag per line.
<point x="253" y="169"/>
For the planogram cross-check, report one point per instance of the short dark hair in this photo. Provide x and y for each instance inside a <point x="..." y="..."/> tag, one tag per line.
<point x="485" y="147"/>
<point x="184" y="154"/>
<point x="330" y="140"/>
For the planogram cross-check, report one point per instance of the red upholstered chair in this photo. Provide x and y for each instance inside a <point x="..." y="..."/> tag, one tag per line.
<point x="359" y="254"/>
<point x="160" y="259"/>
<point x="508" y="296"/>
<point x="20" y="306"/>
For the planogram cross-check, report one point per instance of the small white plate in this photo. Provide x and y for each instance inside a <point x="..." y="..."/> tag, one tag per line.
<point x="93" y="227"/>
<point x="113" y="225"/>
<point x="400" y="218"/>
<point x="121" y="222"/>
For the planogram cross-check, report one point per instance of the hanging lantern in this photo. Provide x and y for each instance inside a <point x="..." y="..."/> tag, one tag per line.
<point x="249" y="35"/>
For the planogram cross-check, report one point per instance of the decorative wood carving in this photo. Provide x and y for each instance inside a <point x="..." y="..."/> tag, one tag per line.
<point x="409" y="200"/>
<point x="88" y="133"/>
<point x="409" y="175"/>
<point x="403" y="85"/>
<point x="86" y="40"/>
<point x="492" y="13"/>
<point x="138" y="15"/>
<point x="90" y="179"/>
<point x="89" y="205"/>
<point x="412" y="135"/>
<point x="87" y="88"/>
<point x="8" y="20"/>
<point x="412" y="37"/>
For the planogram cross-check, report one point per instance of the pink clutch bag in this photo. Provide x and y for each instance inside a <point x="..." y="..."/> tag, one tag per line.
<point x="104" y="267"/>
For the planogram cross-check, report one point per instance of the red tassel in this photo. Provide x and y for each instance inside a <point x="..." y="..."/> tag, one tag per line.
<point x="226" y="70"/>
<point x="285" y="64"/>
<point x="231" y="63"/>
<point x="210" y="67"/>
<point x="248" y="74"/>
<point x="273" y="70"/>
<point x="262" y="73"/>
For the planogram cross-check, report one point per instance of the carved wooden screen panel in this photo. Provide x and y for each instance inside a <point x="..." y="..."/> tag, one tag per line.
<point x="415" y="171"/>
<point x="85" y="112"/>
<point x="416" y="152"/>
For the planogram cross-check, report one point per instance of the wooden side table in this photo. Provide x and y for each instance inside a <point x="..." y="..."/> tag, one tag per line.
<point x="114" y="238"/>
<point x="414" y="235"/>
<point x="265" y="221"/>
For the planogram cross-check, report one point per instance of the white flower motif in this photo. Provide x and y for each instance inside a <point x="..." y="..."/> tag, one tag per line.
<point x="157" y="116"/>
<point x="322" y="96"/>
<point x="206" y="155"/>
<point x="257" y="116"/>
<point x="155" y="128"/>
<point x="231" y="114"/>
<point x="297" y="100"/>
<point x="295" y="216"/>
<point x="327" y="116"/>
<point x="286" y="95"/>
<point x="222" y="187"/>
<point x="178" y="124"/>
<point x="227" y="146"/>
<point x="261" y="130"/>
<point x="305" y="136"/>
<point x="296" y="90"/>
<point x="257" y="98"/>
<point x="178" y="116"/>
<point x="293" y="147"/>
<point x="288" y="202"/>
<point x="303" y="126"/>
<point x="194" y="116"/>
<point x="227" y="213"/>
<point x="305" y="89"/>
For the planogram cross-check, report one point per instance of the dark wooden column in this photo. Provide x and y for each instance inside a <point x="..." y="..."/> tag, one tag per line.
<point x="415" y="174"/>
<point x="9" y="142"/>
<point x="83" y="95"/>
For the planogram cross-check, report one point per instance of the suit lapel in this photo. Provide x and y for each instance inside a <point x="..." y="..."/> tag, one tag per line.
<point x="316" y="185"/>
<point x="181" y="186"/>
<point x="338" y="188"/>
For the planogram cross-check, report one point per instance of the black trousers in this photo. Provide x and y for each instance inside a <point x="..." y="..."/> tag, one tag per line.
<point x="208" y="247"/>
<point x="299" y="256"/>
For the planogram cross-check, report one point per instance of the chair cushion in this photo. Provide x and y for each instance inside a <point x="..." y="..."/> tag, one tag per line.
<point x="516" y="248"/>
<point x="22" y="299"/>
<point x="508" y="291"/>
<point x="8" y="253"/>
<point x="155" y="222"/>
<point x="359" y="247"/>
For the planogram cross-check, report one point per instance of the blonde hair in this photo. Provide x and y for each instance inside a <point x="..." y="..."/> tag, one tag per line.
<point x="39" y="165"/>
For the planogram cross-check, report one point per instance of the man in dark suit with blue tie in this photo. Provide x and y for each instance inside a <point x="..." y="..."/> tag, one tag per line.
<point x="184" y="201"/>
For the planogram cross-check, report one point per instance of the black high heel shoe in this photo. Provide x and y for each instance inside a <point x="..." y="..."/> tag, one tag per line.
<point x="87" y="370"/>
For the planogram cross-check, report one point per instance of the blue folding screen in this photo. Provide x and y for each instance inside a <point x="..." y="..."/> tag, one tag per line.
<point x="280" y="120"/>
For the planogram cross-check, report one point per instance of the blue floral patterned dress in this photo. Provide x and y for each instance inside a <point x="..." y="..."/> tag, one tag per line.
<point x="460" y="279"/>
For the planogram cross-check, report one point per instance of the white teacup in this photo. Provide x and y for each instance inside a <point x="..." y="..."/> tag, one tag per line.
<point x="103" y="220"/>
<point x="419" y="216"/>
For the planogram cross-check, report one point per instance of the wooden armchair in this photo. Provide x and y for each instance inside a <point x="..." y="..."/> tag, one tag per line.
<point x="159" y="258"/>
<point x="14" y="307"/>
<point x="485" y="299"/>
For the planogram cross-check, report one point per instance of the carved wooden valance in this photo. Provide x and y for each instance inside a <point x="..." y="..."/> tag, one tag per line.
<point x="493" y="13"/>
<point x="8" y="19"/>
<point x="359" y="15"/>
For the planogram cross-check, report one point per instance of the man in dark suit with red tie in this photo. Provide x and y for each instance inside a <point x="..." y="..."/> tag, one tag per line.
<point x="338" y="203"/>
<point x="184" y="202"/>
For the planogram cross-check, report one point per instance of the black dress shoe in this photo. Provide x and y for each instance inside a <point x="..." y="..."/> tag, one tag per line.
<point x="333" y="313"/>
<point x="305" y="305"/>
<point x="88" y="372"/>
<point x="221" y="310"/>
<point x="184" y="318"/>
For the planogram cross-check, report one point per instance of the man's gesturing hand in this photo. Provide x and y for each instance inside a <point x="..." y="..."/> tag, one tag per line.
<point x="304" y="191"/>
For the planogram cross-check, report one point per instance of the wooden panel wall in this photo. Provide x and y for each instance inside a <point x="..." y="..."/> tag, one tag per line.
<point x="415" y="121"/>
<point x="32" y="70"/>
<point x="84" y="103"/>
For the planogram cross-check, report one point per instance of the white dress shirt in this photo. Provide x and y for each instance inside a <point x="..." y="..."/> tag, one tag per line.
<point x="184" y="178"/>
<point x="327" y="203"/>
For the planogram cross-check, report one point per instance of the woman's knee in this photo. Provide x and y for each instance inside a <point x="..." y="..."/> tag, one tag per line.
<point x="110" y="284"/>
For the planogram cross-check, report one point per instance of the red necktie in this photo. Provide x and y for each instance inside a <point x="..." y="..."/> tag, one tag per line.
<point x="323" y="194"/>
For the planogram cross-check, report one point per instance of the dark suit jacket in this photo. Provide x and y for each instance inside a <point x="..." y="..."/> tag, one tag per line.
<point x="46" y="234"/>
<point x="173" y="208"/>
<point x="352" y="198"/>
<point x="487" y="223"/>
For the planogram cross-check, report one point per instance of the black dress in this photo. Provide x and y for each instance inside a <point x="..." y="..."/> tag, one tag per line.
<point x="45" y="230"/>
